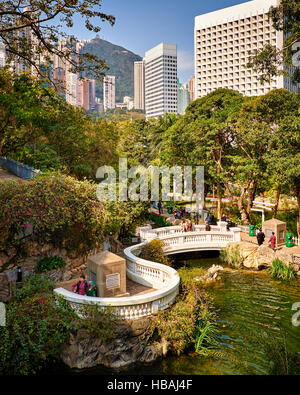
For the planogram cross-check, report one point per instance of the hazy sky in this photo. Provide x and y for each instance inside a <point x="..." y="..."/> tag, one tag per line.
<point x="142" y="24"/>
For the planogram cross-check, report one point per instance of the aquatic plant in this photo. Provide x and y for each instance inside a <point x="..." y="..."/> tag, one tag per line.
<point x="232" y="256"/>
<point x="281" y="271"/>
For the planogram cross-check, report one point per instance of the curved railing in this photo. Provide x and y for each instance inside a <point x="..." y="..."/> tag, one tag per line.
<point x="164" y="279"/>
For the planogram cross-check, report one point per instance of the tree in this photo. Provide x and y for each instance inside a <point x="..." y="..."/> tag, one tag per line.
<point x="269" y="61"/>
<point x="31" y="30"/>
<point x="204" y="136"/>
<point x="283" y="155"/>
<point x="258" y="119"/>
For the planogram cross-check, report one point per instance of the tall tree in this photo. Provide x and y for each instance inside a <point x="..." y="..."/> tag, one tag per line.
<point x="204" y="136"/>
<point x="269" y="61"/>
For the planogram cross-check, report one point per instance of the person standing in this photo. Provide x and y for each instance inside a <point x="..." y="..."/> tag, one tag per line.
<point x="260" y="237"/>
<point x="82" y="286"/>
<point x="190" y="226"/>
<point x="207" y="227"/>
<point x="160" y="207"/>
<point x="272" y="241"/>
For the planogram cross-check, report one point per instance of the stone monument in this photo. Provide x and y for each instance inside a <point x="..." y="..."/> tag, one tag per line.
<point x="276" y="226"/>
<point x="108" y="271"/>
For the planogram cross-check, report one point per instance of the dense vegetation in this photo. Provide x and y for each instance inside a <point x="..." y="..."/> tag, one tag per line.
<point x="249" y="146"/>
<point x="58" y="209"/>
<point x="37" y="326"/>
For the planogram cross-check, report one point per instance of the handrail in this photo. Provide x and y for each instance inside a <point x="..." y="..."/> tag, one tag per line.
<point x="163" y="278"/>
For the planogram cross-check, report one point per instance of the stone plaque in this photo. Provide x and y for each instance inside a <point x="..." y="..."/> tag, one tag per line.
<point x="113" y="281"/>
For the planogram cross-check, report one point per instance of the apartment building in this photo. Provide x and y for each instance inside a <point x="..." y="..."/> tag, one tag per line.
<point x="109" y="92"/>
<point x="161" y="80"/>
<point x="139" y="85"/>
<point x="223" y="40"/>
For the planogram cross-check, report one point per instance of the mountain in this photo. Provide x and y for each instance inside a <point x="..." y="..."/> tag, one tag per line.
<point x="120" y="62"/>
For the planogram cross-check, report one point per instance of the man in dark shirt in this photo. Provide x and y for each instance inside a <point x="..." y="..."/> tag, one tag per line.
<point x="260" y="237"/>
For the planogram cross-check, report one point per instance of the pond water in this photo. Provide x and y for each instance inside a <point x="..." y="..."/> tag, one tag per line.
<point x="251" y="306"/>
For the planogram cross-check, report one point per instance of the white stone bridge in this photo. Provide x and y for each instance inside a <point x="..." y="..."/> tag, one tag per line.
<point x="163" y="279"/>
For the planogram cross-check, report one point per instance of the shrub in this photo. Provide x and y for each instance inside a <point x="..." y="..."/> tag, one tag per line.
<point x="281" y="271"/>
<point x="232" y="256"/>
<point x="154" y="251"/>
<point x="35" y="329"/>
<point x="50" y="263"/>
<point x="159" y="221"/>
<point x="191" y="323"/>
<point x="37" y="326"/>
<point x="57" y="209"/>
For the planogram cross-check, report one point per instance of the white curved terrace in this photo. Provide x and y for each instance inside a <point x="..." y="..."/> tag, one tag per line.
<point x="164" y="279"/>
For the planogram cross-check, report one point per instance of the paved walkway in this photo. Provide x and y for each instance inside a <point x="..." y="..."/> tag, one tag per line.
<point x="132" y="288"/>
<point x="7" y="176"/>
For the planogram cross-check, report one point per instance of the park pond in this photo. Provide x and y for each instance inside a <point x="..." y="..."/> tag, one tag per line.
<point x="254" y="317"/>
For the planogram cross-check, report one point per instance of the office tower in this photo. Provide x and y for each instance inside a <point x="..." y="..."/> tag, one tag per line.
<point x="72" y="84"/>
<point x="183" y="98"/>
<point x="161" y="80"/>
<point x="191" y="88"/>
<point x="109" y="92"/>
<point x="2" y="55"/>
<point x="88" y="94"/>
<point x="223" y="40"/>
<point x="139" y="85"/>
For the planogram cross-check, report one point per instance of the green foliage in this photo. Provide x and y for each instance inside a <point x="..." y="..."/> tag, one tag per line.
<point x="32" y="285"/>
<point x="50" y="263"/>
<point x="191" y="323"/>
<point x="269" y="60"/>
<point x="99" y="322"/>
<point x="281" y="271"/>
<point x="160" y="222"/>
<point x="154" y="251"/>
<point x="35" y="329"/>
<point x="37" y="326"/>
<point x="232" y="256"/>
<point x="61" y="210"/>
<point x="41" y="27"/>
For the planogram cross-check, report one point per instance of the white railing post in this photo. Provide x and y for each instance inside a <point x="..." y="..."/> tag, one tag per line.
<point x="236" y="234"/>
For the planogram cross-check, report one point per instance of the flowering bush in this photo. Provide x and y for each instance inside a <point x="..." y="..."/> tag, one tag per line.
<point x="58" y="209"/>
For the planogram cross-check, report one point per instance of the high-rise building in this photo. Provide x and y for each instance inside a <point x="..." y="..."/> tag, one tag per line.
<point x="223" y="40"/>
<point x="191" y="88"/>
<point x="2" y="55"/>
<point x="183" y="98"/>
<point x="161" y="80"/>
<point x="88" y="94"/>
<point x="139" y="85"/>
<point x="109" y="92"/>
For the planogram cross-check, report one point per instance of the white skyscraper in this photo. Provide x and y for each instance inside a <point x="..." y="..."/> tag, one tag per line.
<point x="109" y="92"/>
<point x="161" y="80"/>
<point x="223" y="40"/>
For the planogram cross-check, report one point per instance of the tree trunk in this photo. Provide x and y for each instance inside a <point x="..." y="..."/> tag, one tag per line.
<point x="251" y="197"/>
<point x="278" y="193"/>
<point x="219" y="196"/>
<point x="245" y="217"/>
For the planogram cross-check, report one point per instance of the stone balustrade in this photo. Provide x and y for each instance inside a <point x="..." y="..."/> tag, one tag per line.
<point x="165" y="280"/>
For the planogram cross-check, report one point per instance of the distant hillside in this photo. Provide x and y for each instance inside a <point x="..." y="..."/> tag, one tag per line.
<point x="120" y="61"/>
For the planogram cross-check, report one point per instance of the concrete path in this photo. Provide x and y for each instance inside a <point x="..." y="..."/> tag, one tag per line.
<point x="7" y="176"/>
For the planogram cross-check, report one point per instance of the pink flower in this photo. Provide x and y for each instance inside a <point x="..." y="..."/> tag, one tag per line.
<point x="27" y="225"/>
